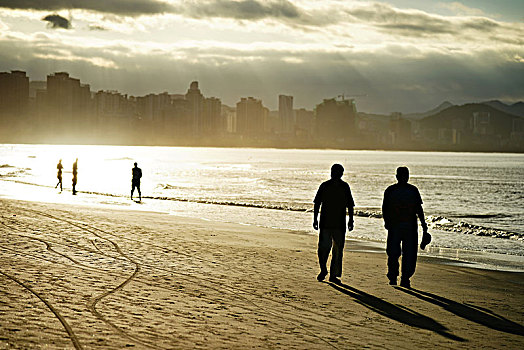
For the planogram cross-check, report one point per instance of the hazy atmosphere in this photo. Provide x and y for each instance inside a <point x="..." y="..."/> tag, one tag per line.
<point x="401" y="56"/>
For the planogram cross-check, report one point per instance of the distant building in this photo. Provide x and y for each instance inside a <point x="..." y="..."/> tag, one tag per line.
<point x="212" y="121"/>
<point x="335" y="120"/>
<point x="286" y="114"/>
<point x="304" y="123"/>
<point x="112" y="105"/>
<point x="480" y="123"/>
<point x="68" y="101"/>
<point x="14" y="93"/>
<point x="399" y="129"/>
<point x="230" y="118"/>
<point x="250" y="116"/>
<point x="196" y="104"/>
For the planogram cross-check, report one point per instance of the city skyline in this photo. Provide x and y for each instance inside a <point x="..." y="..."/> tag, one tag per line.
<point x="64" y="109"/>
<point x="397" y="56"/>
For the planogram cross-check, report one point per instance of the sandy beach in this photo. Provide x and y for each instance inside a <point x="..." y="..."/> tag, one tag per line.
<point x="96" y="278"/>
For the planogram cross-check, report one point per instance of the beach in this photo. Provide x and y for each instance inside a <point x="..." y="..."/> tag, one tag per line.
<point x="91" y="277"/>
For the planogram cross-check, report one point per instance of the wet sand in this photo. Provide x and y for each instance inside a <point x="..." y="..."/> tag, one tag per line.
<point x="87" y="278"/>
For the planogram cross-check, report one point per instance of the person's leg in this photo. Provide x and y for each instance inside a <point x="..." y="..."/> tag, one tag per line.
<point x="409" y="253"/>
<point x="132" y="189"/>
<point x="339" y="238"/>
<point x="393" y="251"/>
<point x="139" y="193"/>
<point x="324" y="246"/>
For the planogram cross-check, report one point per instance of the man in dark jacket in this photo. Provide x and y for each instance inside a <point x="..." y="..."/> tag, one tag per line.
<point x="400" y="208"/>
<point x="334" y="196"/>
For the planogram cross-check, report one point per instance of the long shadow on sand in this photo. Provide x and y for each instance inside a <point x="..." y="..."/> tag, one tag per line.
<point x="395" y="312"/>
<point x="470" y="312"/>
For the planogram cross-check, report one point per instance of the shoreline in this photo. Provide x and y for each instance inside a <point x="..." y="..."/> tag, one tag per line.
<point x="150" y="280"/>
<point x="457" y="256"/>
<point x="283" y="147"/>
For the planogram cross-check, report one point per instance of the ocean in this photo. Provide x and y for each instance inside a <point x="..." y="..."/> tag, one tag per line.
<point x="474" y="202"/>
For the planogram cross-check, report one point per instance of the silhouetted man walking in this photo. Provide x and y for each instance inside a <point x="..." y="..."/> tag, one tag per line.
<point x="400" y="208"/>
<point x="334" y="196"/>
<point x="135" y="181"/>
<point x="59" y="166"/>
<point x="75" y="175"/>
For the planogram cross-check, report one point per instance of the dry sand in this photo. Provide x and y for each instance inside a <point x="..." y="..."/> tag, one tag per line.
<point x="94" y="278"/>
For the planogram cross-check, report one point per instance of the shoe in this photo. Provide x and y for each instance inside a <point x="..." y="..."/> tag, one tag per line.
<point x="334" y="280"/>
<point x="392" y="282"/>
<point x="426" y="239"/>
<point x="321" y="276"/>
<point x="405" y="283"/>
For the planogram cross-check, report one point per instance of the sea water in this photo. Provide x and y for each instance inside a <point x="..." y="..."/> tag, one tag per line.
<point x="474" y="202"/>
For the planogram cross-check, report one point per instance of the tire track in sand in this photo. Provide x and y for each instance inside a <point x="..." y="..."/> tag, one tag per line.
<point x="91" y="305"/>
<point x="69" y="330"/>
<point x="239" y="292"/>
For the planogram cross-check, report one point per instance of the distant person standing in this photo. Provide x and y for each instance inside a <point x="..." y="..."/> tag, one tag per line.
<point x="59" y="166"/>
<point x="334" y="196"/>
<point x="135" y="181"/>
<point x="401" y="206"/>
<point x="75" y="175"/>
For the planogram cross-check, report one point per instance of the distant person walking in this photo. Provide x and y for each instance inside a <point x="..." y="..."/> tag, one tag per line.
<point x="401" y="206"/>
<point x="59" y="166"/>
<point x="135" y="181"/>
<point x="75" y="175"/>
<point x="334" y="196"/>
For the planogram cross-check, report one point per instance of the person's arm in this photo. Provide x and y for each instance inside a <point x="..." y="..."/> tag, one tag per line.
<point x="350" y="203"/>
<point x="420" y="214"/>
<point x="350" y="219"/>
<point x="316" y="209"/>
<point x="385" y="210"/>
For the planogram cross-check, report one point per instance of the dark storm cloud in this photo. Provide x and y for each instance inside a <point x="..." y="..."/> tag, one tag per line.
<point x="57" y="21"/>
<point x="118" y="7"/>
<point x="234" y="9"/>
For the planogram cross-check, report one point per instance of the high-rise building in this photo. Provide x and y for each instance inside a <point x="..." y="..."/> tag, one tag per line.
<point x="68" y="101"/>
<point x="335" y="120"/>
<point x="196" y="104"/>
<point x="286" y="114"/>
<point x="250" y="116"/>
<point x="304" y="122"/>
<point x="14" y="93"/>
<point x="212" y="121"/>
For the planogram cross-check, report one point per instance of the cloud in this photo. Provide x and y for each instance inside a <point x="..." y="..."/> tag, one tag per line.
<point x="57" y="21"/>
<point x="398" y="77"/>
<point x="119" y="7"/>
<point x="240" y="9"/>
<point x="97" y="27"/>
<point x="461" y="9"/>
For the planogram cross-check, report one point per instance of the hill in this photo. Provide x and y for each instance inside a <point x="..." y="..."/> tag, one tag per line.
<point x="514" y="109"/>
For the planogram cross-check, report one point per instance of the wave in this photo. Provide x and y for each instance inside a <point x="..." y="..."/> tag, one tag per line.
<point x="481" y="216"/>
<point x="6" y="166"/>
<point x="434" y="222"/>
<point x="122" y="158"/>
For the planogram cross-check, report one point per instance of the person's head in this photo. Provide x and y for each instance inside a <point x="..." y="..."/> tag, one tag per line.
<point x="402" y="174"/>
<point x="136" y="164"/>
<point x="60" y="161"/>
<point x="337" y="171"/>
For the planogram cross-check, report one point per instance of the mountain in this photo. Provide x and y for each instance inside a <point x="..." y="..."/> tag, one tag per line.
<point x="460" y="117"/>
<point x="515" y="109"/>
<point x="444" y="105"/>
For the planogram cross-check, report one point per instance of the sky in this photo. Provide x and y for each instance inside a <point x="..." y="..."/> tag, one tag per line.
<point x="391" y="56"/>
